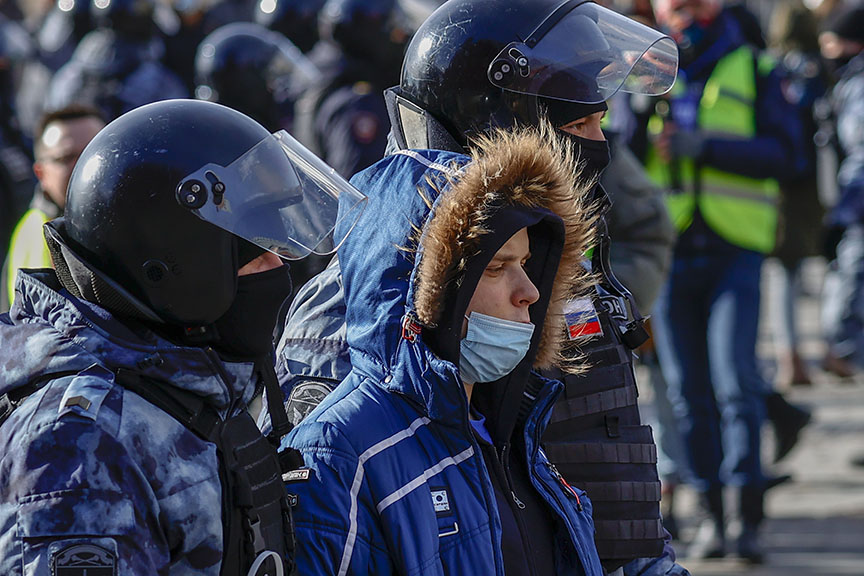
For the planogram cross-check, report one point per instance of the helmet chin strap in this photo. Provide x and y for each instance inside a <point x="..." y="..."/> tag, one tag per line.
<point x="279" y="421"/>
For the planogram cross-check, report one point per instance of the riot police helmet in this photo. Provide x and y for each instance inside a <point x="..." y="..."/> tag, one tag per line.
<point x="251" y="69"/>
<point x="480" y="63"/>
<point x="296" y="19"/>
<point x="171" y="199"/>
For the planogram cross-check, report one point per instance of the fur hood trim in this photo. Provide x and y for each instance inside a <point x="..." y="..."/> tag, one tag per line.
<point x="530" y="167"/>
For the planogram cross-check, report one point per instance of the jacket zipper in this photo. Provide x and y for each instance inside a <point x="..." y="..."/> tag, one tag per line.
<point x="550" y="491"/>
<point x="566" y="485"/>
<point x="504" y="465"/>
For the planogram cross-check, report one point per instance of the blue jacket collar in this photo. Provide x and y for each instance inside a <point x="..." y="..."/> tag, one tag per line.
<point x="378" y="279"/>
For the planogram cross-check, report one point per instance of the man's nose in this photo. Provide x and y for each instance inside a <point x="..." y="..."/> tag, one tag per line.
<point x="526" y="292"/>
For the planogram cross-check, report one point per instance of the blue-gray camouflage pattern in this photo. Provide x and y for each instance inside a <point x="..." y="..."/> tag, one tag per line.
<point x="83" y="461"/>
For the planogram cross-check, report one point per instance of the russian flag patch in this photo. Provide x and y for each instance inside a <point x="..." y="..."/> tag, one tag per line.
<point x="582" y="319"/>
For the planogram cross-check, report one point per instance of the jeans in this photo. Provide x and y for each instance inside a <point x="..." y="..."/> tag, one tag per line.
<point x="705" y="327"/>
<point x="659" y="414"/>
<point x="843" y="298"/>
<point x="783" y="304"/>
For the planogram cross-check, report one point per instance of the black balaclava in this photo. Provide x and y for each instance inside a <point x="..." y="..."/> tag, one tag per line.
<point x="594" y="154"/>
<point x="245" y="331"/>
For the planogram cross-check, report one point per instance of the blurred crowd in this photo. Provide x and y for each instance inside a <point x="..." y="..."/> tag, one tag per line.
<point x="757" y="152"/>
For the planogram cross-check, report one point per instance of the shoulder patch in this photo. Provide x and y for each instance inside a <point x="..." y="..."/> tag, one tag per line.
<point x="83" y="560"/>
<point x="85" y="393"/>
<point x="582" y="319"/>
<point x="305" y="396"/>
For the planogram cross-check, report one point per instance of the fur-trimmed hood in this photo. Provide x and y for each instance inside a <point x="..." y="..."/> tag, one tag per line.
<point x="433" y="222"/>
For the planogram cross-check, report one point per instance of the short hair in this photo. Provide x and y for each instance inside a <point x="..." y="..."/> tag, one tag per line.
<point x="65" y="114"/>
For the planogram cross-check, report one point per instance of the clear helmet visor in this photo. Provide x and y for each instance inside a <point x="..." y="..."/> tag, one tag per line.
<point x="278" y="195"/>
<point x="586" y="56"/>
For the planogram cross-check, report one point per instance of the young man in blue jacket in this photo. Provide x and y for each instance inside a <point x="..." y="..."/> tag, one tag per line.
<point x="454" y="283"/>
<point x="458" y="82"/>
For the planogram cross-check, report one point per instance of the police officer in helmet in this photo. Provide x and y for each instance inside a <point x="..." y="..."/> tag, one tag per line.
<point x="126" y="374"/>
<point x="296" y="19"/>
<point x="341" y="117"/>
<point x="478" y="64"/>
<point x="513" y="64"/>
<point x="254" y="70"/>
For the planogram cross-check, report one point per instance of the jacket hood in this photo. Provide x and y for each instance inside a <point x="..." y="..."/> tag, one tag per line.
<point x="433" y="222"/>
<point x="48" y="331"/>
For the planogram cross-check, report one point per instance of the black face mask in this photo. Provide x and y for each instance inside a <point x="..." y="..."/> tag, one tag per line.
<point x="246" y="329"/>
<point x="594" y="155"/>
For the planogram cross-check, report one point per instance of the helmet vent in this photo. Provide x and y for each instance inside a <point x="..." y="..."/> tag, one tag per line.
<point x="155" y="271"/>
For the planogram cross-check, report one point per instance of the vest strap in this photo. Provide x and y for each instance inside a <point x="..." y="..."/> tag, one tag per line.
<point x="620" y="491"/>
<point x="595" y="453"/>
<point x="594" y="403"/>
<point x="629" y="529"/>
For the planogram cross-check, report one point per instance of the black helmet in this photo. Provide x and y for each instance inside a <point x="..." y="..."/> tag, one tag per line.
<point x="375" y="31"/>
<point x="296" y="19"/>
<point x="165" y="203"/>
<point x="251" y="69"/>
<point x="476" y="63"/>
<point x="132" y="19"/>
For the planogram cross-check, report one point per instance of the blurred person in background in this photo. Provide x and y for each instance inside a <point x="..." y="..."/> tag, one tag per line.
<point x="794" y="41"/>
<point x="254" y="70"/>
<point x="16" y="176"/>
<point x="842" y="134"/>
<point x="62" y="136"/>
<point x="118" y="66"/>
<point x="55" y="28"/>
<point x="296" y="19"/>
<point x="341" y="116"/>
<point x="721" y="140"/>
<point x="185" y="24"/>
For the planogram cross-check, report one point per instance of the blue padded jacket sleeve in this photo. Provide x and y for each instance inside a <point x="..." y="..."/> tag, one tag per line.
<point x="335" y="521"/>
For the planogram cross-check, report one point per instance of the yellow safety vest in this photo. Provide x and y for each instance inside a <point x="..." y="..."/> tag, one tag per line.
<point x="742" y="210"/>
<point x="27" y="248"/>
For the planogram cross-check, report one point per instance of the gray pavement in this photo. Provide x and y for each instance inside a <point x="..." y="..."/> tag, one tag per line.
<point x="816" y="521"/>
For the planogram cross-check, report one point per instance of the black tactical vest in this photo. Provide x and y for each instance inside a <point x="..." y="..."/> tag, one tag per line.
<point x="596" y="438"/>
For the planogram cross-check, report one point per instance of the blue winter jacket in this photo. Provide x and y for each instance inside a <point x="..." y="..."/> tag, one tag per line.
<point x="90" y="471"/>
<point x="394" y="479"/>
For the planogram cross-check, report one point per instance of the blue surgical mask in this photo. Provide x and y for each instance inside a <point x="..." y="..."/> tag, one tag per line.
<point x="492" y="348"/>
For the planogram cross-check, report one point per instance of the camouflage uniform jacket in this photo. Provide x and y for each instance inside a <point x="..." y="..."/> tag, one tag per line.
<point x="92" y="475"/>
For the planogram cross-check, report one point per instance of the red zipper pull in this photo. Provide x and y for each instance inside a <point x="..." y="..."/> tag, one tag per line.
<point x="567" y="486"/>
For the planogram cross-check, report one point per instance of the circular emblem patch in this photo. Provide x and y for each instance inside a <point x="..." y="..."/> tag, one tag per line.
<point x="305" y="397"/>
